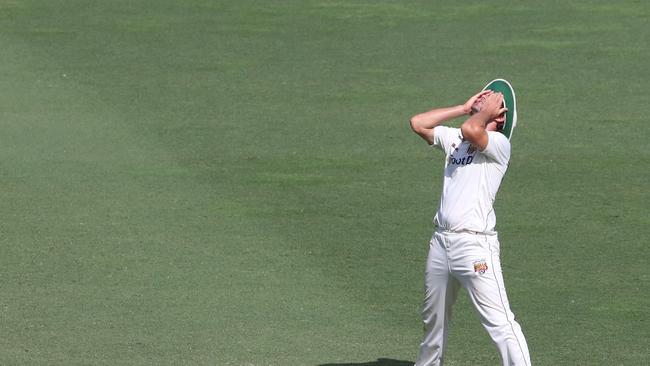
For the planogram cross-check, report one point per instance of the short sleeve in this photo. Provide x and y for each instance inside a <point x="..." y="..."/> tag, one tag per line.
<point x="443" y="137"/>
<point x="498" y="148"/>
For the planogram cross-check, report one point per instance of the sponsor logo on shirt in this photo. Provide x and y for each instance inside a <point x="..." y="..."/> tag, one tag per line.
<point x="460" y="161"/>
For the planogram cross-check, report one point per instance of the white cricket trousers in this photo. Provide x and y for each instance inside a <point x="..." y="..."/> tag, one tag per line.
<point x="470" y="260"/>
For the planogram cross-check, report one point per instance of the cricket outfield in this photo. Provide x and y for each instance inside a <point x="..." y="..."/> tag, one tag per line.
<point x="235" y="182"/>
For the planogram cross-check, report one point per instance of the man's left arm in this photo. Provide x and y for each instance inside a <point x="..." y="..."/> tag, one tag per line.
<point x="473" y="129"/>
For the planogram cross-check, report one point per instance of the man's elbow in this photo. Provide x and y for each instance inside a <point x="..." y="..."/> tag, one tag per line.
<point x="470" y="131"/>
<point x="476" y="135"/>
<point x="413" y="122"/>
<point x="416" y="124"/>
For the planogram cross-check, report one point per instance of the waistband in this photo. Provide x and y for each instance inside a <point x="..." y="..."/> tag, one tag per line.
<point x="442" y="230"/>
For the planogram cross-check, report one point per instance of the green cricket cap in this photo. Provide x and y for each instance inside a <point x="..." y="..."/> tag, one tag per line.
<point x="504" y="87"/>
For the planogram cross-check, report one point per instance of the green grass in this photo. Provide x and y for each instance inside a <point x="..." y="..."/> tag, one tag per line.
<point x="235" y="183"/>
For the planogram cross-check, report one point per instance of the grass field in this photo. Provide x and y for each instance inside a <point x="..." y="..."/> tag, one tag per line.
<point x="235" y="183"/>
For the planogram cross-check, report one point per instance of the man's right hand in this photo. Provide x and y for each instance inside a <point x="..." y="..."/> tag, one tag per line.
<point x="473" y="104"/>
<point x="493" y="106"/>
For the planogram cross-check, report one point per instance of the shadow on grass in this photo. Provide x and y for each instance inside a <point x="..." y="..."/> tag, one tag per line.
<point x="379" y="362"/>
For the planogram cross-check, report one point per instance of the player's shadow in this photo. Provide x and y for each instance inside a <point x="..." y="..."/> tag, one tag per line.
<point x="379" y="362"/>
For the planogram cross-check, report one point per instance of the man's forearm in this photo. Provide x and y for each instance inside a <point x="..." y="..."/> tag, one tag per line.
<point x="476" y="121"/>
<point x="434" y="117"/>
<point x="473" y="130"/>
<point x="423" y="123"/>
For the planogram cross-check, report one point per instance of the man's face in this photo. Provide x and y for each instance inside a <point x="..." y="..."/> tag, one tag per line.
<point x="494" y="125"/>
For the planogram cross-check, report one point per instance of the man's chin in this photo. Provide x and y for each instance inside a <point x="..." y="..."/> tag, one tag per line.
<point x="492" y="126"/>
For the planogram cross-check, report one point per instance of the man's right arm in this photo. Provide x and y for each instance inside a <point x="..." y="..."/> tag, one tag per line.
<point x="424" y="123"/>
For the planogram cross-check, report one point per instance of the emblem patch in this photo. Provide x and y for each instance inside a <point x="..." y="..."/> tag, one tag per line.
<point x="480" y="267"/>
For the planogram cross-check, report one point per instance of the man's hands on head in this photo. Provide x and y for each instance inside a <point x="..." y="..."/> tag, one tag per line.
<point x="493" y="107"/>
<point x="474" y="103"/>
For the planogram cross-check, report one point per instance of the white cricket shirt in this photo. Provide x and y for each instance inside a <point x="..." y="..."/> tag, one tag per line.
<point x="471" y="181"/>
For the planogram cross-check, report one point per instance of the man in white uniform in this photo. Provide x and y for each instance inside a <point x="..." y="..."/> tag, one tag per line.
<point x="464" y="249"/>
